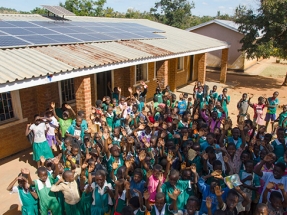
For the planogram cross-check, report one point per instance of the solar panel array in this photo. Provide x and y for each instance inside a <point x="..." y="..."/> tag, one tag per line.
<point x="36" y="33"/>
<point x="58" y="10"/>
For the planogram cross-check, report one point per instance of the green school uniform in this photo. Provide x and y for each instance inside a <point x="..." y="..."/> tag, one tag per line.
<point x="224" y="103"/>
<point x="120" y="203"/>
<point x="197" y="162"/>
<point x="111" y="160"/>
<point x="278" y="148"/>
<point x="48" y="200"/>
<point x="110" y="120"/>
<point x="165" y="208"/>
<point x="86" y="202"/>
<point x="101" y="200"/>
<point x="29" y="204"/>
<point x="42" y="149"/>
<point x="181" y="199"/>
<point x="73" y="209"/>
<point x="282" y="116"/>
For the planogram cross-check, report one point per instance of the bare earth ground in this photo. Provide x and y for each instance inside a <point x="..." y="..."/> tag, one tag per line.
<point x="270" y="80"/>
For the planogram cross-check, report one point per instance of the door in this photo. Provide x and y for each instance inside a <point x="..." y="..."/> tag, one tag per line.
<point x="103" y="79"/>
<point x="191" y="68"/>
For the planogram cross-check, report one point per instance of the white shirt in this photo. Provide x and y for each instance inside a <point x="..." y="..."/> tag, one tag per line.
<point x="39" y="132"/>
<point x="51" y="126"/>
<point x="101" y="191"/>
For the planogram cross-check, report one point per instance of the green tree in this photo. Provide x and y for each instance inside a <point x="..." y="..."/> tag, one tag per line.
<point x="85" y="7"/>
<point x="264" y="30"/>
<point x="38" y="10"/>
<point x="176" y="13"/>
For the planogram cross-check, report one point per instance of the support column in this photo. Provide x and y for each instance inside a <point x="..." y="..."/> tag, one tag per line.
<point x="162" y="72"/>
<point x="224" y="64"/>
<point x="202" y="67"/>
<point x="83" y="95"/>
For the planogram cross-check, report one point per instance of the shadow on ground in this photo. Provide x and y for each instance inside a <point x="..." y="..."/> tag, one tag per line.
<point x="255" y="82"/>
<point x="23" y="156"/>
<point x="13" y="210"/>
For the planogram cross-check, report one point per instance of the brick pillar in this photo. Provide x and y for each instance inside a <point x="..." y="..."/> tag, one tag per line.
<point x="83" y="95"/>
<point x="162" y="72"/>
<point x="224" y="63"/>
<point x="201" y="67"/>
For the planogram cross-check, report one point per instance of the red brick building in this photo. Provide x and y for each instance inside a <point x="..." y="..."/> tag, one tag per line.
<point x="32" y="77"/>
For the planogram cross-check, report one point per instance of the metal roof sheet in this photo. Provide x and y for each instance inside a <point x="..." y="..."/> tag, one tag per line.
<point x="29" y="62"/>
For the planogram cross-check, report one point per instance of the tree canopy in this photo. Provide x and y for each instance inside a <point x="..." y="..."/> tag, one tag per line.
<point x="265" y="30"/>
<point x="85" y="7"/>
<point x="176" y="13"/>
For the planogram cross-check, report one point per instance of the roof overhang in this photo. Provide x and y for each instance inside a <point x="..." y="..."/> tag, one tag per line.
<point x="31" y="82"/>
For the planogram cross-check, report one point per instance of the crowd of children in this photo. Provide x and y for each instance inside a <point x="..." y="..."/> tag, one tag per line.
<point x="170" y="156"/>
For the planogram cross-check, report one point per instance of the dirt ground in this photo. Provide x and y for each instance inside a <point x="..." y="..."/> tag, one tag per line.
<point x="262" y="85"/>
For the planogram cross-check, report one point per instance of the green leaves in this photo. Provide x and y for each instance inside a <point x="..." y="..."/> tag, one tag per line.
<point x="265" y="30"/>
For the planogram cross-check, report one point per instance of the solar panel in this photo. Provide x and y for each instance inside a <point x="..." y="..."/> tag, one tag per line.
<point x="5" y="24"/>
<point x="10" y="41"/>
<point x="124" y="36"/>
<point x="64" y="11"/>
<point x="21" y="33"/>
<point x="64" y="30"/>
<point x="38" y="39"/>
<point x="16" y="31"/>
<point x="21" y="24"/>
<point x="40" y="31"/>
<point x="57" y="10"/>
<point x="63" y="38"/>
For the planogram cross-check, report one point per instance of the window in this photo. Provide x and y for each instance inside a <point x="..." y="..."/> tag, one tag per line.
<point x="180" y="63"/>
<point x="141" y="72"/>
<point x="68" y="91"/>
<point x="6" y="108"/>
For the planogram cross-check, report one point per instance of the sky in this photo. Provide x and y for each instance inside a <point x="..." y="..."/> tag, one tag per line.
<point x="202" y="7"/>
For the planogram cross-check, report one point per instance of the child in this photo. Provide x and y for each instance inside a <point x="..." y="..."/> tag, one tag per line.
<point x="275" y="204"/>
<point x="27" y="195"/>
<point x="279" y="144"/>
<point x="73" y="159"/>
<point x="136" y="203"/>
<point x="242" y="107"/>
<point x="276" y="176"/>
<point x="155" y="181"/>
<point x="261" y="209"/>
<point x="160" y="206"/>
<point x="50" y="127"/>
<point x="232" y="205"/>
<point x="258" y="110"/>
<point x="272" y="103"/>
<point x="173" y="184"/>
<point x="102" y="193"/>
<point x="250" y="181"/>
<point x="193" y="204"/>
<point x="213" y="94"/>
<point x="69" y="188"/>
<point x="282" y="118"/>
<point x="224" y="99"/>
<point x="137" y="182"/>
<point x="40" y="144"/>
<point x="47" y="199"/>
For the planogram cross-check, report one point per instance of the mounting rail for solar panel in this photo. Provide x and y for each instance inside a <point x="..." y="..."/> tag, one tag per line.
<point x="58" y="10"/>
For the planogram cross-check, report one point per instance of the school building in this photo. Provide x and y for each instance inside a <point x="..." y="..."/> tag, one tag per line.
<point x="33" y="76"/>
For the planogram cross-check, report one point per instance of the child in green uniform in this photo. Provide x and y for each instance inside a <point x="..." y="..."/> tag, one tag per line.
<point x="69" y="188"/>
<point x="122" y="195"/>
<point x="27" y="195"/>
<point x="102" y="193"/>
<point x="136" y="203"/>
<point x="175" y="184"/>
<point x="160" y="206"/>
<point x="86" y="200"/>
<point x="48" y="200"/>
<point x="224" y="99"/>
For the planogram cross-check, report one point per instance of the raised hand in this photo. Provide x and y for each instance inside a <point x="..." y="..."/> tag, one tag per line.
<point x="142" y="126"/>
<point x="156" y="124"/>
<point x="225" y="159"/>
<point x="142" y="155"/>
<point x="160" y="178"/>
<point x="56" y="160"/>
<point x="53" y="105"/>
<point x="208" y="202"/>
<point x="127" y="185"/>
<point x="85" y="165"/>
<point x="193" y="168"/>
<point x="119" y="89"/>
<point x="175" y="194"/>
<point x="130" y="90"/>
<point x="217" y="191"/>
<point x="183" y="166"/>
<point x="25" y="171"/>
<point x="115" y="165"/>
<point x="68" y="106"/>
<point x="149" y="173"/>
<point x="205" y="156"/>
<point x="146" y="195"/>
<point x="268" y="158"/>
<point x="106" y="136"/>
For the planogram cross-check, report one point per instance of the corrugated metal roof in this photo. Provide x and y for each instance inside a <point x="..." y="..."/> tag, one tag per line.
<point x="24" y="63"/>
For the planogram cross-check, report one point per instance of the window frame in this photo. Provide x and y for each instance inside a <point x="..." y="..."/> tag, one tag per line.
<point x="180" y="62"/>
<point x="145" y="67"/>
<point x="17" y="110"/>
<point x="71" y="102"/>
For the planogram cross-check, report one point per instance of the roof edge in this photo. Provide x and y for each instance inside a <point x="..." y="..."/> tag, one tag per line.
<point x="215" y="21"/>
<point x="31" y="82"/>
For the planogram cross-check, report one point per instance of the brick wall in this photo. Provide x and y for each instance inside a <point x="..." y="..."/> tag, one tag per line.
<point x="177" y="78"/>
<point x="34" y="100"/>
<point x="201" y="67"/>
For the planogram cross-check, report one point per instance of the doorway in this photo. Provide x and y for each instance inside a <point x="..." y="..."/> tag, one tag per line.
<point x="103" y="79"/>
